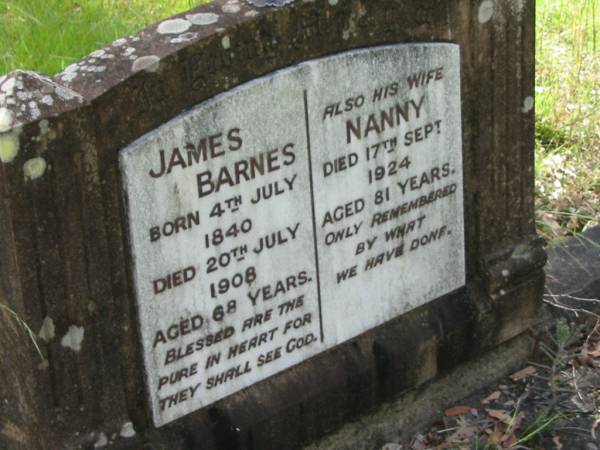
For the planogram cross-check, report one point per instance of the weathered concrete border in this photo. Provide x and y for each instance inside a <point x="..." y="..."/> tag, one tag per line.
<point x="573" y="272"/>
<point x="397" y="421"/>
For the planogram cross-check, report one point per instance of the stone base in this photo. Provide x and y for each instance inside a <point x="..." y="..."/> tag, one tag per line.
<point x="398" y="420"/>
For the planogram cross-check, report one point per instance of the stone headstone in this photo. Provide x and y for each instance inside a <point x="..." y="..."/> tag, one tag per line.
<point x="291" y="214"/>
<point x="244" y="227"/>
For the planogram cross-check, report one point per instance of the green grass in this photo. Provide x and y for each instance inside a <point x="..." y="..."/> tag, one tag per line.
<point x="25" y="327"/>
<point x="568" y="116"/>
<point x="48" y="35"/>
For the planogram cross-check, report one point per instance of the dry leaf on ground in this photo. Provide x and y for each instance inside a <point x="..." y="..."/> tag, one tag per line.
<point x="596" y="423"/>
<point x="501" y="415"/>
<point x="463" y="434"/>
<point x="594" y="350"/>
<point x="557" y="443"/>
<point x="493" y="396"/>
<point x="523" y="373"/>
<point x="457" y="411"/>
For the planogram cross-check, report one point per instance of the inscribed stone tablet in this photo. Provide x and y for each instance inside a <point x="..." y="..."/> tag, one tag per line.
<point x="291" y="214"/>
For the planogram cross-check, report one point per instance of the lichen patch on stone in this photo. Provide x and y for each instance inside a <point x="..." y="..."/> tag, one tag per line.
<point x="185" y="37"/>
<point x="6" y="119"/>
<point x="528" y="104"/>
<point x="226" y="42"/>
<point x="71" y="68"/>
<point x="68" y="77"/>
<point x="47" y="331"/>
<point x="31" y="95"/>
<point x="119" y="42"/>
<point x="97" y="54"/>
<point x="279" y="3"/>
<point x="231" y="8"/>
<point x="148" y="63"/>
<point x="22" y="95"/>
<point x="73" y="338"/>
<point x="67" y="94"/>
<point x="34" y="110"/>
<point x="8" y="86"/>
<point x="203" y="18"/>
<point x="9" y="147"/>
<point x="34" y="168"/>
<point x="173" y="26"/>
<point x="486" y="11"/>
<point x="43" y="365"/>
<point x="44" y="126"/>
<point x="96" y="68"/>
<point x="47" y="100"/>
<point x="102" y="441"/>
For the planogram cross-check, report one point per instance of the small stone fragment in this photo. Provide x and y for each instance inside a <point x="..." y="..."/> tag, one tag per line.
<point x="127" y="431"/>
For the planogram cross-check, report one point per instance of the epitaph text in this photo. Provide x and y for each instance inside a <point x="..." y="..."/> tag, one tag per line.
<point x="291" y="214"/>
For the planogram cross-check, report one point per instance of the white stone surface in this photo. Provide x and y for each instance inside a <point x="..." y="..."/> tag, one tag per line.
<point x="332" y="275"/>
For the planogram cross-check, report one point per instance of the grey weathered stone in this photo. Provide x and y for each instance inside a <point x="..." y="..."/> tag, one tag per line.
<point x="573" y="272"/>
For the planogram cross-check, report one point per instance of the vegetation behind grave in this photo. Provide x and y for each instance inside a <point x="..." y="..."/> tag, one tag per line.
<point x="48" y="35"/>
<point x="568" y="116"/>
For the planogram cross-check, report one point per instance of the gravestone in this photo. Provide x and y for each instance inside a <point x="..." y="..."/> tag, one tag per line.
<point x="246" y="227"/>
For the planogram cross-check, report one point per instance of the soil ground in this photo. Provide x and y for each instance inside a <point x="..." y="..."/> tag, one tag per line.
<point x="553" y="401"/>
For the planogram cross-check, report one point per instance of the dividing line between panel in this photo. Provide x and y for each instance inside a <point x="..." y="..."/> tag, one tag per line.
<point x="314" y="216"/>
